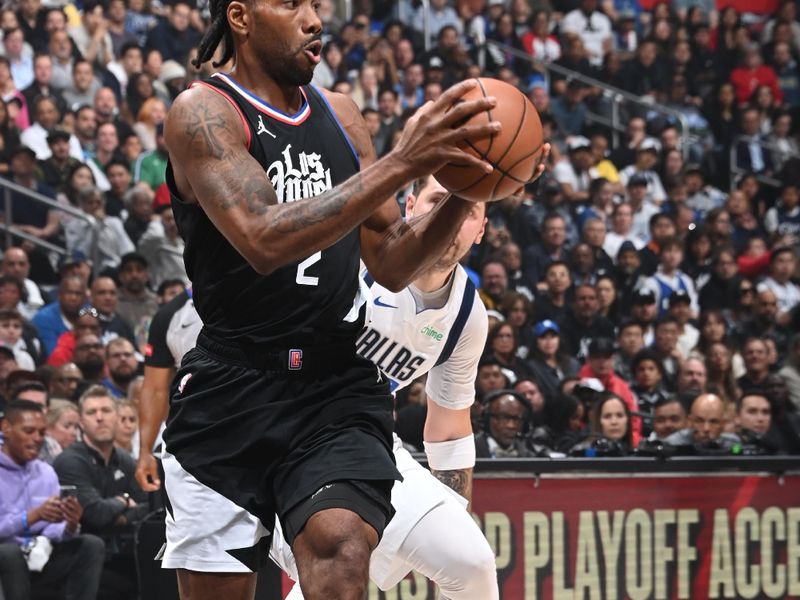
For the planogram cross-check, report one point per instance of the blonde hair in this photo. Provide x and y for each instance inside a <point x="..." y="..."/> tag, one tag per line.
<point x="57" y="409"/>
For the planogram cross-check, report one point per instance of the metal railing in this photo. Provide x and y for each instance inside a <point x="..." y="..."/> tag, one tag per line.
<point x="737" y="171"/>
<point x="617" y="97"/>
<point x="11" y="231"/>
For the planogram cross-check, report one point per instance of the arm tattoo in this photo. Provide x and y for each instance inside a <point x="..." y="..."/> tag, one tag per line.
<point x="455" y="480"/>
<point x="201" y="126"/>
<point x="307" y="212"/>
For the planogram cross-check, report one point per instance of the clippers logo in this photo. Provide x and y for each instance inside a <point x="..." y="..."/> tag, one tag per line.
<point x="299" y="175"/>
<point x="295" y="360"/>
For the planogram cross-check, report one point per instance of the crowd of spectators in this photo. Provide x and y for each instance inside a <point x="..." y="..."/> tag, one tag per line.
<point x="642" y="294"/>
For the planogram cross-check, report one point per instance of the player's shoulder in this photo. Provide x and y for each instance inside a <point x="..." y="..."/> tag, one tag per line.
<point x="200" y="106"/>
<point x="349" y="116"/>
<point x="341" y="104"/>
<point x="464" y="294"/>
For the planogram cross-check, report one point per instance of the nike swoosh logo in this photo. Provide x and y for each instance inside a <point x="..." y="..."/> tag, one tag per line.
<point x="379" y="303"/>
<point x="185" y="325"/>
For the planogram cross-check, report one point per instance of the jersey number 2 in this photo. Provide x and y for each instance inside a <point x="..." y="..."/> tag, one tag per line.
<point x="302" y="278"/>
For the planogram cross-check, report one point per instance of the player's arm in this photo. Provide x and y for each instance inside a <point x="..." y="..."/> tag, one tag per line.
<point x="450" y="388"/>
<point x="207" y="147"/>
<point x="449" y="432"/>
<point x="153" y="408"/>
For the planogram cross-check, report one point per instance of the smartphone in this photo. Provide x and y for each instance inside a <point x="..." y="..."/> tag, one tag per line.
<point x="69" y="490"/>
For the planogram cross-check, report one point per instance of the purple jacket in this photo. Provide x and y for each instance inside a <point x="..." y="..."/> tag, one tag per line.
<point x="23" y="488"/>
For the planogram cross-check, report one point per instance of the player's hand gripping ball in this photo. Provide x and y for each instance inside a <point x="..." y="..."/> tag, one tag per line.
<point x="514" y="152"/>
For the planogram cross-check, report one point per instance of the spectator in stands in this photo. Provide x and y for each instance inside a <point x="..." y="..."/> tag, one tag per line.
<point x="59" y="316"/>
<point x="784" y="432"/>
<point x="88" y="357"/>
<point x="706" y="424"/>
<point x="645" y="163"/>
<point x="669" y="279"/>
<point x="494" y="284"/>
<point x="518" y="217"/>
<point x="11" y="335"/>
<point x="135" y="298"/>
<point x="553" y="303"/>
<point x="85" y="128"/>
<point x="665" y="344"/>
<point x="630" y="340"/>
<point x="55" y="170"/>
<point x="511" y="257"/>
<point x="662" y="228"/>
<point x="151" y="167"/>
<point x="753" y="416"/>
<point x="65" y="381"/>
<point x="551" y="248"/>
<point x="91" y="37"/>
<point x="583" y="322"/>
<point x="783" y="219"/>
<point x="16" y="264"/>
<point x="63" y="425"/>
<point x="174" y="36"/>
<point x="549" y="360"/>
<point x="754" y="352"/>
<point x="751" y="154"/>
<point x="162" y="247"/>
<point x="722" y="289"/>
<point x="569" y="110"/>
<point x="126" y="427"/>
<point x="593" y="27"/>
<point x="121" y="365"/>
<point x="138" y="201"/>
<point x="764" y="322"/>
<point x="505" y="418"/>
<point x="83" y="86"/>
<point x="782" y="266"/>
<point x="490" y="377"/>
<point x="87" y="322"/>
<point x="76" y="559"/>
<point x="669" y="416"/>
<point x="752" y="73"/>
<point x="440" y="16"/>
<point x="622" y="228"/>
<point x="106" y="150"/>
<point x="47" y="116"/>
<point x="575" y="172"/>
<point x="648" y="385"/>
<point x="105" y="236"/>
<point x="688" y="334"/>
<point x="599" y="365"/>
<point x="119" y="180"/>
<point x="113" y="502"/>
<point x="105" y="298"/>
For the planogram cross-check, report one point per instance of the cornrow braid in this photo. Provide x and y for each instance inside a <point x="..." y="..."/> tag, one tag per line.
<point x="217" y="31"/>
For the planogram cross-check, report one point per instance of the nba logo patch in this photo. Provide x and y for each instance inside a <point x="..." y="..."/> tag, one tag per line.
<point x="295" y="360"/>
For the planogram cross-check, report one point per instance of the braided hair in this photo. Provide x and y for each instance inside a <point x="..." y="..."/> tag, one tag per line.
<point x="217" y="31"/>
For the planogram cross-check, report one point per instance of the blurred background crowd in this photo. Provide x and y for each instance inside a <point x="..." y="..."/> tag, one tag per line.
<point x="643" y="294"/>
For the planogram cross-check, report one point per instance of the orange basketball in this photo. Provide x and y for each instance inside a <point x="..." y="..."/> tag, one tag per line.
<point x="513" y="152"/>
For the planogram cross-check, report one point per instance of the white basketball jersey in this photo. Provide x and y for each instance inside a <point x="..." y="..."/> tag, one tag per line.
<point x="406" y="341"/>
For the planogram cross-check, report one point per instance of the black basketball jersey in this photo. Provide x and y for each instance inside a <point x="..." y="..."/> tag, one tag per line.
<point x="303" y="155"/>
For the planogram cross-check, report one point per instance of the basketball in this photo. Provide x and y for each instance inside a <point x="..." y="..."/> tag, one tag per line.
<point x="513" y="152"/>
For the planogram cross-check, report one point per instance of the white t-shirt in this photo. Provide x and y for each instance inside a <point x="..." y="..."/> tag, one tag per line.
<point x="788" y="294"/>
<point x="594" y="30"/>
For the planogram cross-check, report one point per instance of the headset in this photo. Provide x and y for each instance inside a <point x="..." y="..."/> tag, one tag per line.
<point x="492" y="396"/>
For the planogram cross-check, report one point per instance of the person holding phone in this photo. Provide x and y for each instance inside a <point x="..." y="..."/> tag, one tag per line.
<point x="35" y="514"/>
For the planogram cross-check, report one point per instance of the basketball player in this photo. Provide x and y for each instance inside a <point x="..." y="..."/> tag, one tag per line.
<point x="273" y="411"/>
<point x="436" y="326"/>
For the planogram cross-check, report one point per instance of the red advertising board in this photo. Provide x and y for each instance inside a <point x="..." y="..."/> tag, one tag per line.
<point x="638" y="537"/>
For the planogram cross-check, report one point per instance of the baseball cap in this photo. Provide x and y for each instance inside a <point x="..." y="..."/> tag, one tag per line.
<point x="578" y="142"/>
<point x="650" y="144"/>
<point x="543" y="327"/>
<point x="56" y="134"/>
<point x="75" y="257"/>
<point x="644" y="296"/>
<point x="637" y="179"/>
<point x="434" y="62"/>
<point x="601" y="346"/>
<point x="679" y="297"/>
<point x="171" y="70"/>
<point x="626" y="246"/>
<point x="132" y="257"/>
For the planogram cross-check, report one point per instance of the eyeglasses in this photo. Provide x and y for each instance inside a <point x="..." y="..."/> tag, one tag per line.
<point x="89" y="310"/>
<point x="508" y="418"/>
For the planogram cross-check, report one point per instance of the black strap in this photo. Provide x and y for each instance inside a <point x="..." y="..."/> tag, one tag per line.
<point x="458" y="325"/>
